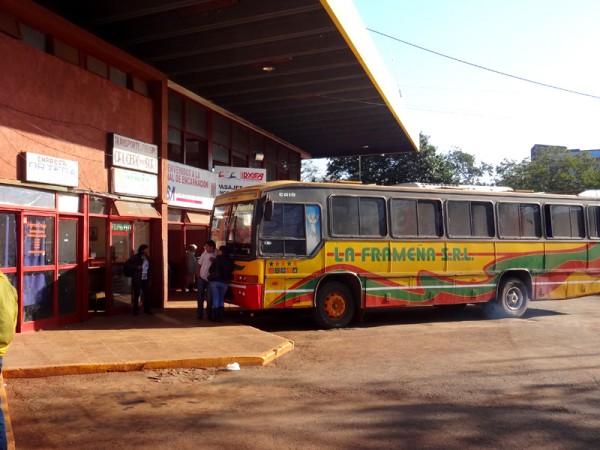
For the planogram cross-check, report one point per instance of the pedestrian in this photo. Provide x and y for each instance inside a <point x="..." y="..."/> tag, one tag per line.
<point x="8" y="323"/>
<point x="220" y="272"/>
<point x="140" y="280"/>
<point x="204" y="263"/>
<point x="190" y="267"/>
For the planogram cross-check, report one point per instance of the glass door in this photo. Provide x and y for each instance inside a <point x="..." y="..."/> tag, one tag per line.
<point x="38" y="268"/>
<point x="67" y="266"/>
<point x="121" y="235"/>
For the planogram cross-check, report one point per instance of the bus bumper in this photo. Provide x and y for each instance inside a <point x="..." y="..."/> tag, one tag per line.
<point x="247" y="296"/>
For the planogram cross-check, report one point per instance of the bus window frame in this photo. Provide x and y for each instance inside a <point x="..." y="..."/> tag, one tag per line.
<point x="525" y="238"/>
<point x="548" y="223"/>
<point x="470" y="236"/>
<point x="587" y="222"/>
<point x="331" y="222"/>
<point x="260" y="236"/>
<point x="440" y="204"/>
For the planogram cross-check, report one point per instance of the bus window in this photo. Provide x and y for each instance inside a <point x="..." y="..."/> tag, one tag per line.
<point x="474" y="219"/>
<point x="358" y="216"/>
<point x="519" y="220"/>
<point x="565" y="221"/>
<point x="594" y="221"/>
<point x="416" y="218"/>
<point x="286" y="232"/>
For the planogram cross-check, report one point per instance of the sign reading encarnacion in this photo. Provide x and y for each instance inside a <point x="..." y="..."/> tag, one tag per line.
<point x="51" y="170"/>
<point x="190" y="187"/>
<point x="135" y="155"/>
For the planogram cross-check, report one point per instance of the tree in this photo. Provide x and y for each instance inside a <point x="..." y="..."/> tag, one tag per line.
<point x="551" y="170"/>
<point x="426" y="166"/>
<point x="310" y="171"/>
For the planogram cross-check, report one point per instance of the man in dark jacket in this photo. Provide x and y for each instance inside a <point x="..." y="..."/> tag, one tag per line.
<point x="140" y="279"/>
<point x="220" y="272"/>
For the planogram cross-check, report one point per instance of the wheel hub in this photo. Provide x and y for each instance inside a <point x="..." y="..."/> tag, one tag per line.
<point x="335" y="305"/>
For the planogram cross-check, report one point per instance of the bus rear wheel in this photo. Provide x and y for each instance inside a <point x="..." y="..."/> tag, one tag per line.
<point x="334" y="306"/>
<point x="512" y="300"/>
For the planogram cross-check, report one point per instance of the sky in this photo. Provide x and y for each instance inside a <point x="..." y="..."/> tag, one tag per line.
<point x="492" y="116"/>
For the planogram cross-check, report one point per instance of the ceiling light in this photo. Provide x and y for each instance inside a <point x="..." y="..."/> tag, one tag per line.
<point x="268" y="69"/>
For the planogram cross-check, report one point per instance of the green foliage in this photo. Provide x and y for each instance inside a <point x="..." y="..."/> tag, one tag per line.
<point x="552" y="170"/>
<point x="426" y="166"/>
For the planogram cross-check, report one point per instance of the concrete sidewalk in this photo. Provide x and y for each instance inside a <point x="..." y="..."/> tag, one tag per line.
<point x="171" y="338"/>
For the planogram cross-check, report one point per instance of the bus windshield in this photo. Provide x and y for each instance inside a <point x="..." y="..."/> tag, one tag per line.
<point x="232" y="226"/>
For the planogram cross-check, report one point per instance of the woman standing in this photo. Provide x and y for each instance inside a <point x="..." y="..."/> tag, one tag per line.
<point x="140" y="279"/>
<point x="220" y="272"/>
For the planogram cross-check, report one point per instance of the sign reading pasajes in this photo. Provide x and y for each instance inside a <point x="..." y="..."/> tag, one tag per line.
<point x="135" y="155"/>
<point x="190" y="187"/>
<point x="230" y="178"/>
<point x="51" y="170"/>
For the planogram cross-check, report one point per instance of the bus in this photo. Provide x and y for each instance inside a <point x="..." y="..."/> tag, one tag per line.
<point x="341" y="249"/>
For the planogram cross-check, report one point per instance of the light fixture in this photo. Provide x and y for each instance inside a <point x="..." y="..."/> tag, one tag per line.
<point x="268" y="69"/>
<point x="259" y="156"/>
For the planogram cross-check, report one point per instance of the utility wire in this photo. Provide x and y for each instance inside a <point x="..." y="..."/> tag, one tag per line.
<point x="483" y="67"/>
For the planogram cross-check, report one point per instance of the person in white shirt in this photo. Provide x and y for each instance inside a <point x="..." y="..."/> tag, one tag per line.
<point x="204" y="262"/>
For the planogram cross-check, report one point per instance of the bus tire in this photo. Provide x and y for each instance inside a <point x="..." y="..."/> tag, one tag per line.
<point x="512" y="300"/>
<point x="334" y="307"/>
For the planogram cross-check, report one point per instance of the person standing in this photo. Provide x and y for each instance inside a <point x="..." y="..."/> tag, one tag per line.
<point x="220" y="272"/>
<point x="190" y="267"/>
<point x="8" y="323"/>
<point x="140" y="280"/>
<point x="204" y="263"/>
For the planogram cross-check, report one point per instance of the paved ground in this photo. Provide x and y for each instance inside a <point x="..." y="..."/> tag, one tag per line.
<point x="400" y="380"/>
<point x="171" y="338"/>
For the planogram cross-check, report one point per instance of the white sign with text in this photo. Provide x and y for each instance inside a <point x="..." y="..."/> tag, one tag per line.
<point x="190" y="187"/>
<point x="51" y="170"/>
<point x="230" y="178"/>
<point x="136" y="155"/>
<point x="131" y="182"/>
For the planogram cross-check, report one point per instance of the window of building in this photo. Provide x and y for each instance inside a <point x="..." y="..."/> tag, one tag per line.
<point x="96" y="66"/>
<point x="416" y="217"/>
<point x="357" y="216"/>
<point x="474" y="219"/>
<point x="34" y="37"/>
<point x="117" y="76"/>
<point x="65" y="51"/>
<point x="196" y="119"/>
<point x="8" y="240"/>
<point x="519" y="220"/>
<point x="565" y="221"/>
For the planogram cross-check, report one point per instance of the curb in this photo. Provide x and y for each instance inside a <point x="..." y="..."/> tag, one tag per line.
<point x="132" y="366"/>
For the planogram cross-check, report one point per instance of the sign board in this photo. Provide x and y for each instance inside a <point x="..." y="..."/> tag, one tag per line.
<point x="230" y="178"/>
<point x="190" y="187"/>
<point x="135" y="155"/>
<point x="130" y="182"/>
<point x="51" y="170"/>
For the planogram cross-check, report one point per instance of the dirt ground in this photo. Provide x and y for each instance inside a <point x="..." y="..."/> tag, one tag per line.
<point x="405" y="380"/>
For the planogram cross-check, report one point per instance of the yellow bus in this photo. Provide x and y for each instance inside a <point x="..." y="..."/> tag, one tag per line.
<point x="340" y="249"/>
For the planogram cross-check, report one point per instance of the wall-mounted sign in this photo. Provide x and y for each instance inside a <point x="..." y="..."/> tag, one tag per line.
<point x="230" y="178"/>
<point x="135" y="155"/>
<point x="130" y="182"/>
<point x="51" y="170"/>
<point x="190" y="187"/>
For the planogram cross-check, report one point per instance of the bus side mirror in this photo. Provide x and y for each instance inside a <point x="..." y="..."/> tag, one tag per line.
<point x="268" y="214"/>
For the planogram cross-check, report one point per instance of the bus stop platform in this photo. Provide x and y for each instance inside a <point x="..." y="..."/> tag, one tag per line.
<point x="170" y="338"/>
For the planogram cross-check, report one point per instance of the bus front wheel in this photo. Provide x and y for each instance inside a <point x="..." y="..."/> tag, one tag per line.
<point x="512" y="300"/>
<point x="334" y="306"/>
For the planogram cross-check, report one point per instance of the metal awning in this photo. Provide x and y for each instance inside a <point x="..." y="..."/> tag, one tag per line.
<point x="298" y="69"/>
<point x="195" y="218"/>
<point x="135" y="209"/>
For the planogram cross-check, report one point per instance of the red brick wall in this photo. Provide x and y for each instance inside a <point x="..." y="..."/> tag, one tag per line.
<point x="49" y="106"/>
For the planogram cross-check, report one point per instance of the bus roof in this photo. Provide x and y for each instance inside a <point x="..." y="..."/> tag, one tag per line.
<point x="256" y="191"/>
